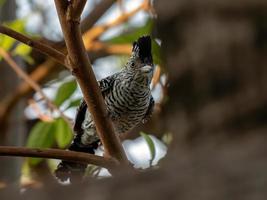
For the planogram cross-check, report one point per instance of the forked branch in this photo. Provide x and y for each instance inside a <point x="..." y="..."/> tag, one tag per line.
<point x="82" y="69"/>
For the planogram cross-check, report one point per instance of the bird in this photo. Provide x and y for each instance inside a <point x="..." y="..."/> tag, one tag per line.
<point x="129" y="102"/>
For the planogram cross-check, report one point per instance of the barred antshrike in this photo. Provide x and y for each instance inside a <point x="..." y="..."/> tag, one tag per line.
<point x="129" y="101"/>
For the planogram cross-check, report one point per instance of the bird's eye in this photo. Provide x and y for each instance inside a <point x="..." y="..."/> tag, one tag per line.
<point x="132" y="64"/>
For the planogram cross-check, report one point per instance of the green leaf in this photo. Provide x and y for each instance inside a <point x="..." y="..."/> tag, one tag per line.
<point x="151" y="146"/>
<point x="42" y="135"/>
<point x="17" y="25"/>
<point x="64" y="92"/>
<point x="24" y="52"/>
<point x="63" y="133"/>
<point x="74" y="103"/>
<point x="6" y="42"/>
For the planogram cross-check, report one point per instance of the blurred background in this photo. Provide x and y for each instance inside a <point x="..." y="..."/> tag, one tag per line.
<point x="207" y="136"/>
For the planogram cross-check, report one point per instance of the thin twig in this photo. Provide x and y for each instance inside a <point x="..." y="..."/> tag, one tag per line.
<point x="58" y="154"/>
<point x="36" y="108"/>
<point x="82" y="69"/>
<point x="41" y="47"/>
<point x="32" y="83"/>
<point x="156" y="77"/>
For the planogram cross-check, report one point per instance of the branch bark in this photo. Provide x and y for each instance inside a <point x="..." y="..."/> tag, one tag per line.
<point x="74" y="156"/>
<point x="41" y="47"/>
<point x="82" y="69"/>
<point x="77" y="9"/>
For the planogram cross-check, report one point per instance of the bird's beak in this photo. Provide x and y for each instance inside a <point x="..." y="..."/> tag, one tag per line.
<point x="146" y="68"/>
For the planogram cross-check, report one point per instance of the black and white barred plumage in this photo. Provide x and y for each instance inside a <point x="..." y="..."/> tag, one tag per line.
<point x="129" y="101"/>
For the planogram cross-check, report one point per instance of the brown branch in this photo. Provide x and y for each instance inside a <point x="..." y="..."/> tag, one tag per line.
<point x="31" y="82"/>
<point x="82" y="69"/>
<point x="58" y="154"/>
<point x="76" y="9"/>
<point x="41" y="47"/>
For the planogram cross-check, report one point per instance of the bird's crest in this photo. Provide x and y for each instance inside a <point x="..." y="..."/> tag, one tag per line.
<point x="142" y="48"/>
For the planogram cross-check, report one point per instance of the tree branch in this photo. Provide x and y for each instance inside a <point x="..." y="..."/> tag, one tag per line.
<point x="82" y="69"/>
<point x="41" y="47"/>
<point x="77" y="9"/>
<point x="58" y="154"/>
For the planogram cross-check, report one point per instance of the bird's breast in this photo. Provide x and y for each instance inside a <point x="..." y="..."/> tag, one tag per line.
<point x="128" y="105"/>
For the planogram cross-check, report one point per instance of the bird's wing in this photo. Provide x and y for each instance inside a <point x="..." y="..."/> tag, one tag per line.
<point x="80" y="115"/>
<point x="149" y="110"/>
<point x="105" y="85"/>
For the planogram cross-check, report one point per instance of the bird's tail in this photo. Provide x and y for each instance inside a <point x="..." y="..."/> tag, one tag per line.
<point x="142" y="47"/>
<point x="72" y="170"/>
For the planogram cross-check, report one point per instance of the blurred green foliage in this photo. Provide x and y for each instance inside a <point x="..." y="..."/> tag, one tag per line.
<point x="64" y="92"/>
<point x="23" y="51"/>
<point x="63" y="133"/>
<point x="47" y="134"/>
<point x="2" y="2"/>
<point x="74" y="103"/>
<point x="42" y="135"/>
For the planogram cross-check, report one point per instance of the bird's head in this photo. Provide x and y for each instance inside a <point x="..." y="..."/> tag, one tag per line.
<point x="141" y="61"/>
